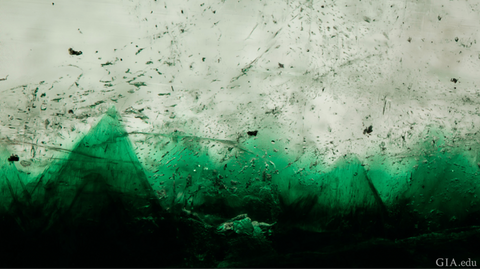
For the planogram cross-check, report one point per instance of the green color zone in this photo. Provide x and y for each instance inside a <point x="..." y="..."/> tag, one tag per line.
<point x="433" y="188"/>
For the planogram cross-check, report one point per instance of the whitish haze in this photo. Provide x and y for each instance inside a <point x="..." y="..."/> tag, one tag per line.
<point x="310" y="74"/>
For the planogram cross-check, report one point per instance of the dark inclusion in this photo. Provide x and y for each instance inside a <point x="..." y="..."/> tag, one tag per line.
<point x="13" y="158"/>
<point x="74" y="52"/>
<point x="252" y="133"/>
<point x="368" y="130"/>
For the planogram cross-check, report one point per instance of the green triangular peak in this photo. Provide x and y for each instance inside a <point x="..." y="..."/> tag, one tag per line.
<point x="103" y="167"/>
<point x="113" y="113"/>
<point x="108" y="130"/>
<point x="106" y="150"/>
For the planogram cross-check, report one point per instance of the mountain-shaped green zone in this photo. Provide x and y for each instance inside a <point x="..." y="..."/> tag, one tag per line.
<point x="100" y="176"/>
<point x="102" y="181"/>
<point x="428" y="188"/>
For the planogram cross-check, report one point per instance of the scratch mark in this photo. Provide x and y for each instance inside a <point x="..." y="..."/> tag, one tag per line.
<point x="252" y="31"/>
<point x="248" y="66"/>
<point x="277" y="32"/>
<point x="384" y="104"/>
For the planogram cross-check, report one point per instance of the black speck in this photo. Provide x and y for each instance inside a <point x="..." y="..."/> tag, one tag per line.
<point x="53" y="4"/>
<point x="13" y="158"/>
<point x="368" y="130"/>
<point x="456" y="39"/>
<point x="423" y="186"/>
<point x="409" y="39"/>
<point x="203" y="59"/>
<point x="323" y="6"/>
<point x="454" y="80"/>
<point x="70" y="111"/>
<point x="182" y="11"/>
<point x="252" y="133"/>
<point x="280" y="65"/>
<point x="74" y="52"/>
<point x="214" y="11"/>
<point x="439" y="18"/>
